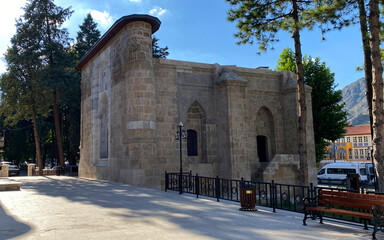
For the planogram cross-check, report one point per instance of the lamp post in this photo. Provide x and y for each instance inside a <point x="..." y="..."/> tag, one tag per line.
<point x="180" y="135"/>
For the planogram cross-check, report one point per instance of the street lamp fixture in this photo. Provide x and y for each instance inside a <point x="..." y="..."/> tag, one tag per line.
<point x="180" y="135"/>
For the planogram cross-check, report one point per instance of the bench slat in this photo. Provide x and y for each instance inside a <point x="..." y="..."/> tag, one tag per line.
<point x="341" y="212"/>
<point x="351" y="203"/>
<point x="369" y="198"/>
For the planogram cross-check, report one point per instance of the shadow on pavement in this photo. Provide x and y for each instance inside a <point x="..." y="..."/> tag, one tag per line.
<point x="205" y="217"/>
<point x="9" y="227"/>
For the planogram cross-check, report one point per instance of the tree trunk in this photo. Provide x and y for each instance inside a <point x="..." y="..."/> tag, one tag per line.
<point x="377" y="90"/>
<point x="37" y="141"/>
<point x="55" y="109"/>
<point x="57" y="129"/>
<point x="367" y="58"/>
<point x="302" y="130"/>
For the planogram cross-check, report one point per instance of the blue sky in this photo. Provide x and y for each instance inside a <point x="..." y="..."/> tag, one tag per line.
<point x="198" y="31"/>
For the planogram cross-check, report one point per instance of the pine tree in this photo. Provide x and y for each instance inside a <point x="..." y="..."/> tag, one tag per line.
<point x="87" y="36"/>
<point x="157" y="51"/>
<point x="261" y="20"/>
<point x="370" y="33"/>
<point x="47" y="18"/>
<point x="377" y="90"/>
<point x="367" y="58"/>
<point x="71" y="97"/>
<point x="22" y="93"/>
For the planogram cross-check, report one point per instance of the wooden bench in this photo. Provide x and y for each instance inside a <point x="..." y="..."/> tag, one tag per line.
<point x="363" y="206"/>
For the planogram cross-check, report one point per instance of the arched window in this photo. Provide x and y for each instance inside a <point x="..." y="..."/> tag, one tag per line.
<point x="197" y="133"/>
<point x="103" y="150"/>
<point x="192" y="142"/>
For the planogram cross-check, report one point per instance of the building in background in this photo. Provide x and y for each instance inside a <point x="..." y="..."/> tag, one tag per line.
<point x="355" y="146"/>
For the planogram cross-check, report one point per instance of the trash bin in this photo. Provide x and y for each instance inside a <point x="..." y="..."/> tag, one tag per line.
<point x="353" y="181"/>
<point x="248" y="197"/>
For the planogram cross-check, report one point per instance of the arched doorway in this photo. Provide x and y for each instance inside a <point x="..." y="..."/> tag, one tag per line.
<point x="264" y="142"/>
<point x="265" y="130"/>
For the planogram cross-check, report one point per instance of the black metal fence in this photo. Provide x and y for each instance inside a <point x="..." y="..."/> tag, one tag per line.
<point x="272" y="195"/>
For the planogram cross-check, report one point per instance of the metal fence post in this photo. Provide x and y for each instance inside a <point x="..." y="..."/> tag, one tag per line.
<point x="166" y="181"/>
<point x="273" y="195"/>
<point x="311" y="191"/>
<point x="180" y="183"/>
<point x="217" y="186"/>
<point x="197" y="188"/>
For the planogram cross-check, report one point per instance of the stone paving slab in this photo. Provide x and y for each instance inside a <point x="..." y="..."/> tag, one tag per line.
<point x="60" y="207"/>
<point x="9" y="185"/>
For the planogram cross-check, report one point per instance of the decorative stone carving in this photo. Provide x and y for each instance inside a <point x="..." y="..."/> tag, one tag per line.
<point x="116" y="63"/>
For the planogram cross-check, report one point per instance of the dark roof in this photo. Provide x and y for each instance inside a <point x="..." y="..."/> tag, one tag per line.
<point x="112" y="31"/>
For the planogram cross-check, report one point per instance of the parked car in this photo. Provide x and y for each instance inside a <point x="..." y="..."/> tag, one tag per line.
<point x="13" y="170"/>
<point x="56" y="167"/>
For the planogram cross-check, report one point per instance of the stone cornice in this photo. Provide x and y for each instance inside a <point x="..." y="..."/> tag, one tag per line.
<point x="112" y="31"/>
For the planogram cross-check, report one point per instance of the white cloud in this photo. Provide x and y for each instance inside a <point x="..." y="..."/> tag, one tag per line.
<point x="157" y="11"/>
<point x="103" y="18"/>
<point x="9" y="12"/>
<point x="135" y="0"/>
<point x="3" y="65"/>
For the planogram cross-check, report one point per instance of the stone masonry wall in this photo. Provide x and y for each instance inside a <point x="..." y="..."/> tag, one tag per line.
<point x="283" y="169"/>
<point x="238" y="134"/>
<point x="222" y="119"/>
<point x="132" y="103"/>
<point x="4" y="170"/>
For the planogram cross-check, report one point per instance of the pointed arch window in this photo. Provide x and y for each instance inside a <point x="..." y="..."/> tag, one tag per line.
<point x="104" y="121"/>
<point x="192" y="142"/>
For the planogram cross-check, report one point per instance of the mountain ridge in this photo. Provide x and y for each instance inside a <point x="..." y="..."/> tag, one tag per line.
<point x="356" y="102"/>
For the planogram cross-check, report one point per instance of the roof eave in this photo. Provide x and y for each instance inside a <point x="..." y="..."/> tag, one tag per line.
<point x="113" y="30"/>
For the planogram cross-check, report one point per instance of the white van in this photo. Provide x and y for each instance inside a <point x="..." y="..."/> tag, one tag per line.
<point x="337" y="172"/>
<point x="370" y="173"/>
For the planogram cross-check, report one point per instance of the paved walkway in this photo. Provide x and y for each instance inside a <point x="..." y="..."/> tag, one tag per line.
<point x="74" y="208"/>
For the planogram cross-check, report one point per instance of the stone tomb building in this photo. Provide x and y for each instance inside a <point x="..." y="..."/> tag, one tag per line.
<point x="240" y="122"/>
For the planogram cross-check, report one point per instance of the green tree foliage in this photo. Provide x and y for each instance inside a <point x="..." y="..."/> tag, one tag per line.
<point x="157" y="51"/>
<point x="54" y="41"/>
<point x="329" y="119"/>
<point x="37" y="63"/>
<point x="19" y="144"/>
<point x="70" y="100"/>
<point x="22" y="92"/>
<point x="86" y="37"/>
